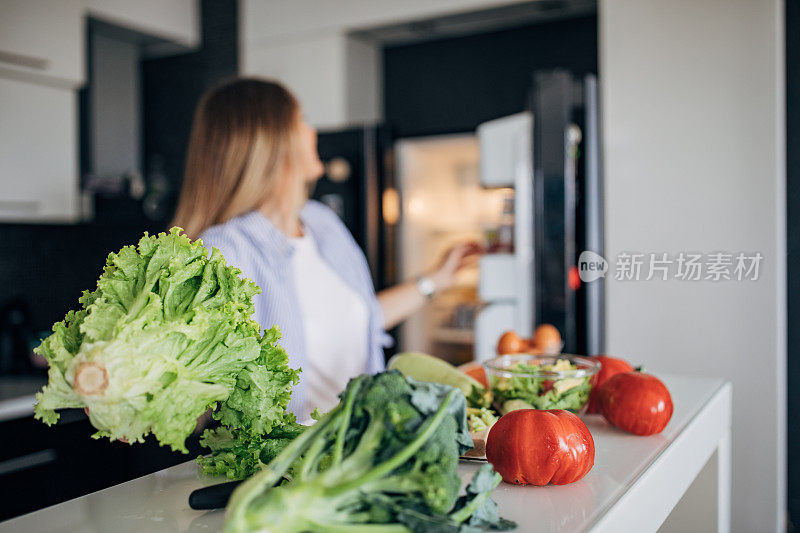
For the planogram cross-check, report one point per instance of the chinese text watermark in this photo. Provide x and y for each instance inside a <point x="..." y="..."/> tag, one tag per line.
<point x="684" y="266"/>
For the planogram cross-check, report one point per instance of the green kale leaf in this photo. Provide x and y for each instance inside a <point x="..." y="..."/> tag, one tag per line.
<point x="384" y="460"/>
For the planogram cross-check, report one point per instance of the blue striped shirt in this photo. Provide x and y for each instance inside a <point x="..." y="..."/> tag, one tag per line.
<point x="263" y="253"/>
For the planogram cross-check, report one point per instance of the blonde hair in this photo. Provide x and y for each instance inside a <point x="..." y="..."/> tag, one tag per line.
<point x="243" y="141"/>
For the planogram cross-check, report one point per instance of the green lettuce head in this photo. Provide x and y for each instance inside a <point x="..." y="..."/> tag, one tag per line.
<point x="165" y="336"/>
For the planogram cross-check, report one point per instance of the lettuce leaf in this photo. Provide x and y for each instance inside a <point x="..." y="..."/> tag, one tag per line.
<point x="166" y="336"/>
<point x="239" y="455"/>
<point x="255" y="423"/>
<point x="257" y="403"/>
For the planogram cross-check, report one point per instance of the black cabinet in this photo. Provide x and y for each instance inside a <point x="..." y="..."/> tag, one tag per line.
<point x="42" y="466"/>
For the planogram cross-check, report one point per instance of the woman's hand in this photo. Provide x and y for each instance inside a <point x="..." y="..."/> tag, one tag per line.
<point x="456" y="258"/>
<point x="400" y="301"/>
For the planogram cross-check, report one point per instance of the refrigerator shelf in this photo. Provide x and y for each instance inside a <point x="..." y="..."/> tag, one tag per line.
<point x="454" y="335"/>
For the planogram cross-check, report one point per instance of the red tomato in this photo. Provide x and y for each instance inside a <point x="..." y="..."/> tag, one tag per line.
<point x="609" y="366"/>
<point x="475" y="371"/>
<point x="635" y="402"/>
<point x="533" y="447"/>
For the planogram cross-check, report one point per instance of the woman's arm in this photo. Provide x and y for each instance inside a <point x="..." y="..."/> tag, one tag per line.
<point x="400" y="302"/>
<point x="403" y="300"/>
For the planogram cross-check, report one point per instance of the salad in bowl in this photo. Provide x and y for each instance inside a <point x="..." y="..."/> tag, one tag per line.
<point x="528" y="381"/>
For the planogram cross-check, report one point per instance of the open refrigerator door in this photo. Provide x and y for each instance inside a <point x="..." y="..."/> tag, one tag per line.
<point x="506" y="278"/>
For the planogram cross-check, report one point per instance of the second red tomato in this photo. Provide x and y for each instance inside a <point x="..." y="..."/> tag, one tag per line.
<point x="637" y="403"/>
<point x="609" y="366"/>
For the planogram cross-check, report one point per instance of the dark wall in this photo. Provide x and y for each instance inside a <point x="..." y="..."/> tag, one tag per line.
<point x="793" y="249"/>
<point x="172" y="86"/>
<point x="452" y="85"/>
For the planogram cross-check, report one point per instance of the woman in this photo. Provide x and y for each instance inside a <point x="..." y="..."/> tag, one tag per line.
<point x="251" y="161"/>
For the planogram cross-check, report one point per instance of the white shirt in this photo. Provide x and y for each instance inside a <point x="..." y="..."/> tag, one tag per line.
<point x="263" y="253"/>
<point x="336" y="325"/>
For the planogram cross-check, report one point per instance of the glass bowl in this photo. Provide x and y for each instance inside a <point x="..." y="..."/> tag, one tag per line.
<point x="530" y="381"/>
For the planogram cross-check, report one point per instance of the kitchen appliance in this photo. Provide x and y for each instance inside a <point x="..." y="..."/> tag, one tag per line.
<point x="527" y="186"/>
<point x="549" y="154"/>
<point x="351" y="186"/>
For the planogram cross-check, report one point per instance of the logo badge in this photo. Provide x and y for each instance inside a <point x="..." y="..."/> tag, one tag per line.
<point x="591" y="266"/>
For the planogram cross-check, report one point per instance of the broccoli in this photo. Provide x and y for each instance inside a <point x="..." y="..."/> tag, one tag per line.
<point x="383" y="460"/>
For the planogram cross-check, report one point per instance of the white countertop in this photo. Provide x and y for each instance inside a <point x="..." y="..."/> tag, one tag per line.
<point x="635" y="481"/>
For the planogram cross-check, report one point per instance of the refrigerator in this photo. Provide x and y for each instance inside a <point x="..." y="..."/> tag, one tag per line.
<point x="352" y="186"/>
<point x="528" y="186"/>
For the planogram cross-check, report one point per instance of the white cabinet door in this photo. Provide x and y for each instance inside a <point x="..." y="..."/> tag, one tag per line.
<point x="38" y="153"/>
<point x="43" y="41"/>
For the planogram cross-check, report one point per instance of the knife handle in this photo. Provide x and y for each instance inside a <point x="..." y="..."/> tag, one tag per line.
<point x="213" y="497"/>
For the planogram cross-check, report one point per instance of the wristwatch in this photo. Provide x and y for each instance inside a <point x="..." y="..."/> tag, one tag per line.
<point x="426" y="286"/>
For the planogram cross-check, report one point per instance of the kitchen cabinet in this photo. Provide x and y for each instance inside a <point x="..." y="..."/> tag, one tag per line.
<point x="38" y="153"/>
<point x="43" y="41"/>
<point x="42" y="65"/>
<point x="677" y="477"/>
<point x="47" y="465"/>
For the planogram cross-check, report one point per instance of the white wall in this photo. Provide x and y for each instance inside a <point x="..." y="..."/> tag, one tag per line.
<point x="364" y="98"/>
<point x="692" y="96"/>
<point x="175" y="20"/>
<point x="336" y="77"/>
<point x="313" y="68"/>
<point x="268" y="20"/>
<point x="305" y="44"/>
